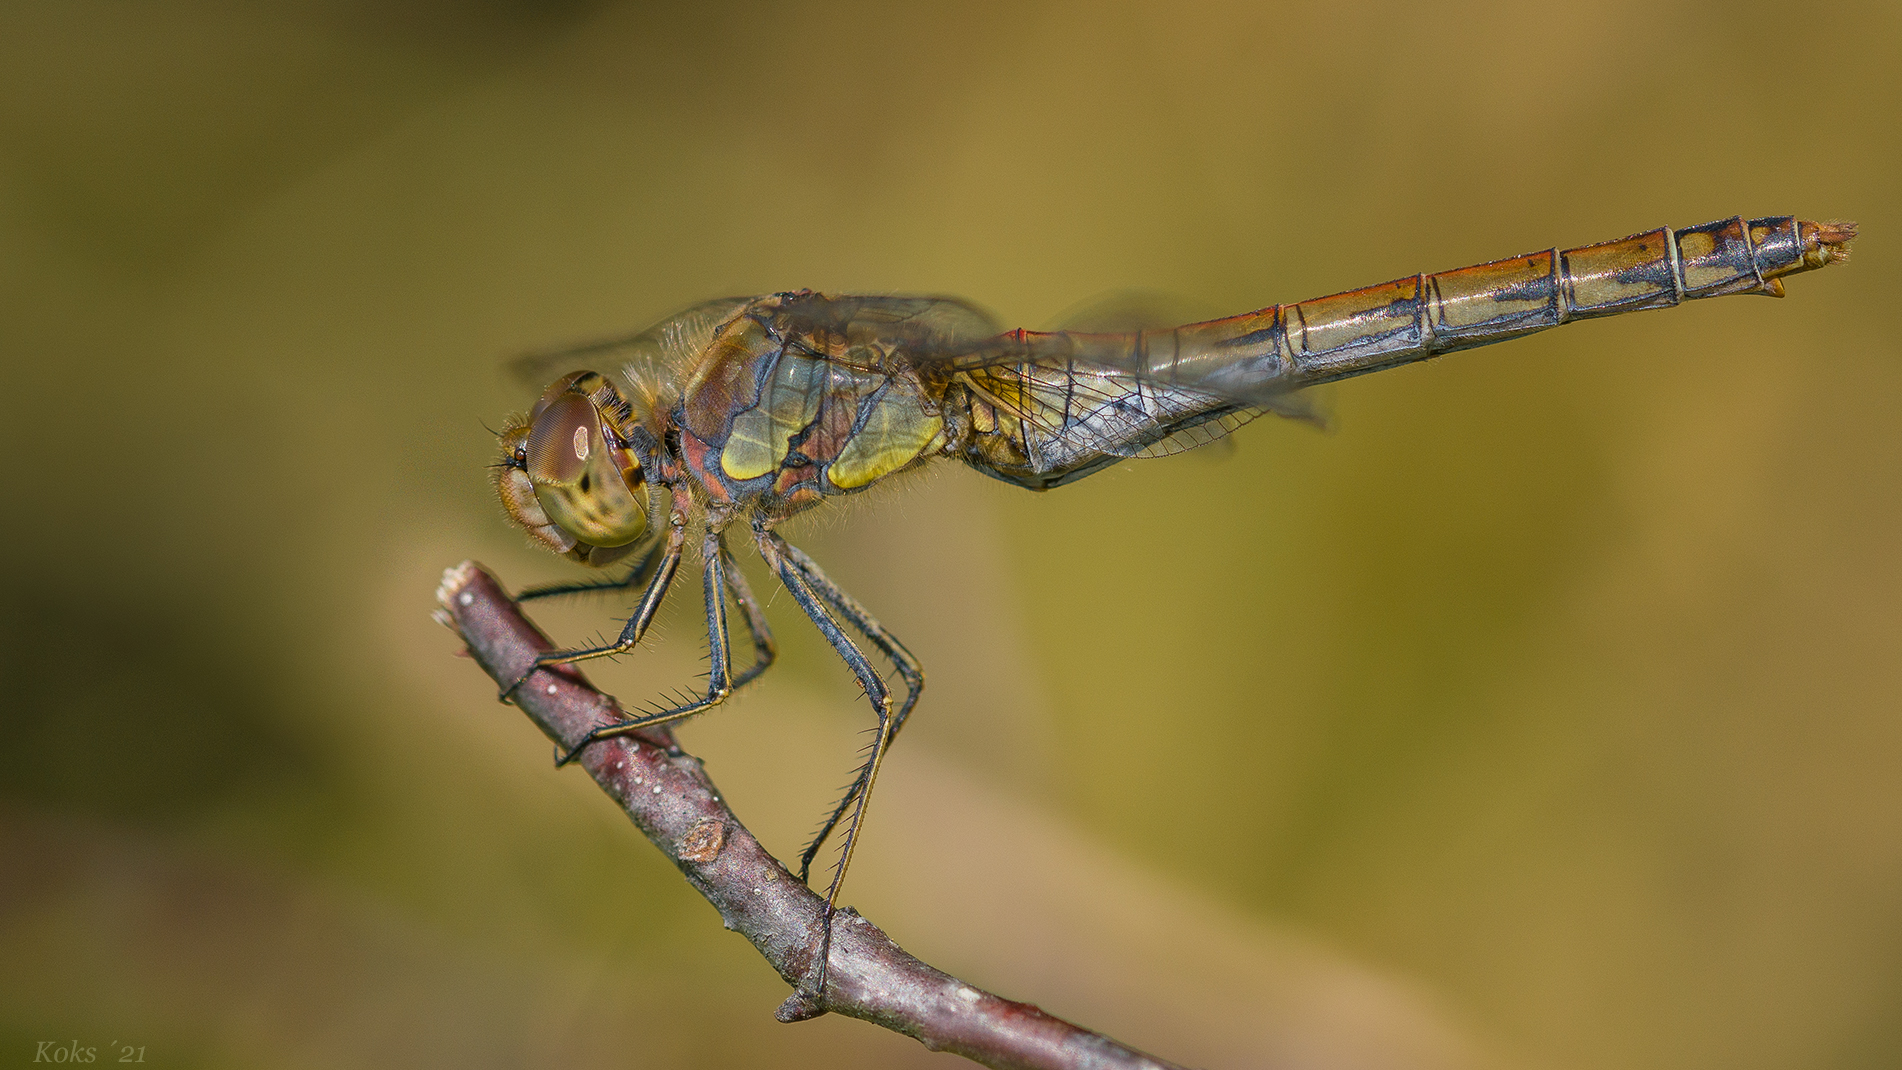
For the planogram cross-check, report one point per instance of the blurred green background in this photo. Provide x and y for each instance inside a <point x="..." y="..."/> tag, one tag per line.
<point x="1544" y="715"/>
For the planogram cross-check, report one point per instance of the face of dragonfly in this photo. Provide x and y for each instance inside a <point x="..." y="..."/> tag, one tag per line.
<point x="569" y="476"/>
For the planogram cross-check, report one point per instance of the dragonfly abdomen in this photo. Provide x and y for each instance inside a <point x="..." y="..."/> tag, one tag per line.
<point x="1259" y="355"/>
<point x="1084" y="399"/>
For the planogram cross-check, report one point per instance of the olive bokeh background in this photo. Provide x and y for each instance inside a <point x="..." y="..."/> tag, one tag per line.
<point x="1546" y="714"/>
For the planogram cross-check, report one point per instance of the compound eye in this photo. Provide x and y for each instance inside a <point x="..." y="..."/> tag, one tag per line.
<point x="590" y="488"/>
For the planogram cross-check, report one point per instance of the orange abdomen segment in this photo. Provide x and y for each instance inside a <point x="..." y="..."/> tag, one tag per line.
<point x="1379" y="326"/>
<point x="1259" y="355"/>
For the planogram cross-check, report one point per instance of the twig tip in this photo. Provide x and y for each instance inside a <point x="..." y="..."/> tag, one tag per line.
<point x="798" y="1007"/>
<point x="454" y="580"/>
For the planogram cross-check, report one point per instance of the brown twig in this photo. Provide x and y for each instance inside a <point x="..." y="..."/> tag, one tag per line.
<point x="668" y="795"/>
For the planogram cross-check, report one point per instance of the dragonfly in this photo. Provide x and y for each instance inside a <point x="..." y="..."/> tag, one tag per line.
<point x="740" y="413"/>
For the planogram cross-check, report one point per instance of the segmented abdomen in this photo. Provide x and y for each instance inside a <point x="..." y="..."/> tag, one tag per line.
<point x="1260" y="354"/>
<point x="1081" y="400"/>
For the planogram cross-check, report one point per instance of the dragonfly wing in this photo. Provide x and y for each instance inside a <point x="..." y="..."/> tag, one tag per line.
<point x="1069" y="402"/>
<point x="1122" y="312"/>
<point x="1065" y="412"/>
<point x="1134" y="309"/>
<point x="855" y="329"/>
<point x="951" y="320"/>
<point x="658" y="346"/>
<point x="945" y="335"/>
<point x="1200" y="433"/>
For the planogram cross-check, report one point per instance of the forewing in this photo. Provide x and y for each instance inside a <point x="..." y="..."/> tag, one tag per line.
<point x="1129" y="334"/>
<point x="950" y="322"/>
<point x="916" y="330"/>
<point x="1074" y="392"/>
<point x="1126" y="311"/>
<point x="654" y="347"/>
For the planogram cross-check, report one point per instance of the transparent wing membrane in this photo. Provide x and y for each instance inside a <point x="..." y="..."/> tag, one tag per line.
<point x="655" y="347"/>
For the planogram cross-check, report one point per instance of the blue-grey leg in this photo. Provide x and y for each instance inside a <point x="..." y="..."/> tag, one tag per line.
<point x="639" y="574"/>
<point x="651" y="597"/>
<point x="908" y="666"/>
<point x="793" y="568"/>
<point x="764" y="649"/>
<point x="714" y="581"/>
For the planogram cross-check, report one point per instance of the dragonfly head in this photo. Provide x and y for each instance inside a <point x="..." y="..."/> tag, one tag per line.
<point x="569" y="475"/>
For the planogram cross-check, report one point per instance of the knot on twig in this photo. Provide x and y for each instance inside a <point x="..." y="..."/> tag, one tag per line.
<point x="702" y="842"/>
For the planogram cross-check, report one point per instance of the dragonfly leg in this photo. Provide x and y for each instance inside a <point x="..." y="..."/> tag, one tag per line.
<point x="651" y="598"/>
<point x="908" y="666"/>
<point x="715" y="580"/>
<point x="636" y="576"/>
<point x="792" y="567"/>
<point x="764" y="649"/>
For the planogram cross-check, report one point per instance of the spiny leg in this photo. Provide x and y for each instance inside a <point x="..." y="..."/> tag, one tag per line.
<point x="651" y="598"/>
<point x="907" y="665"/>
<point x="714" y="581"/>
<point x="635" y="577"/>
<point x="772" y="547"/>
<point x="764" y="649"/>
